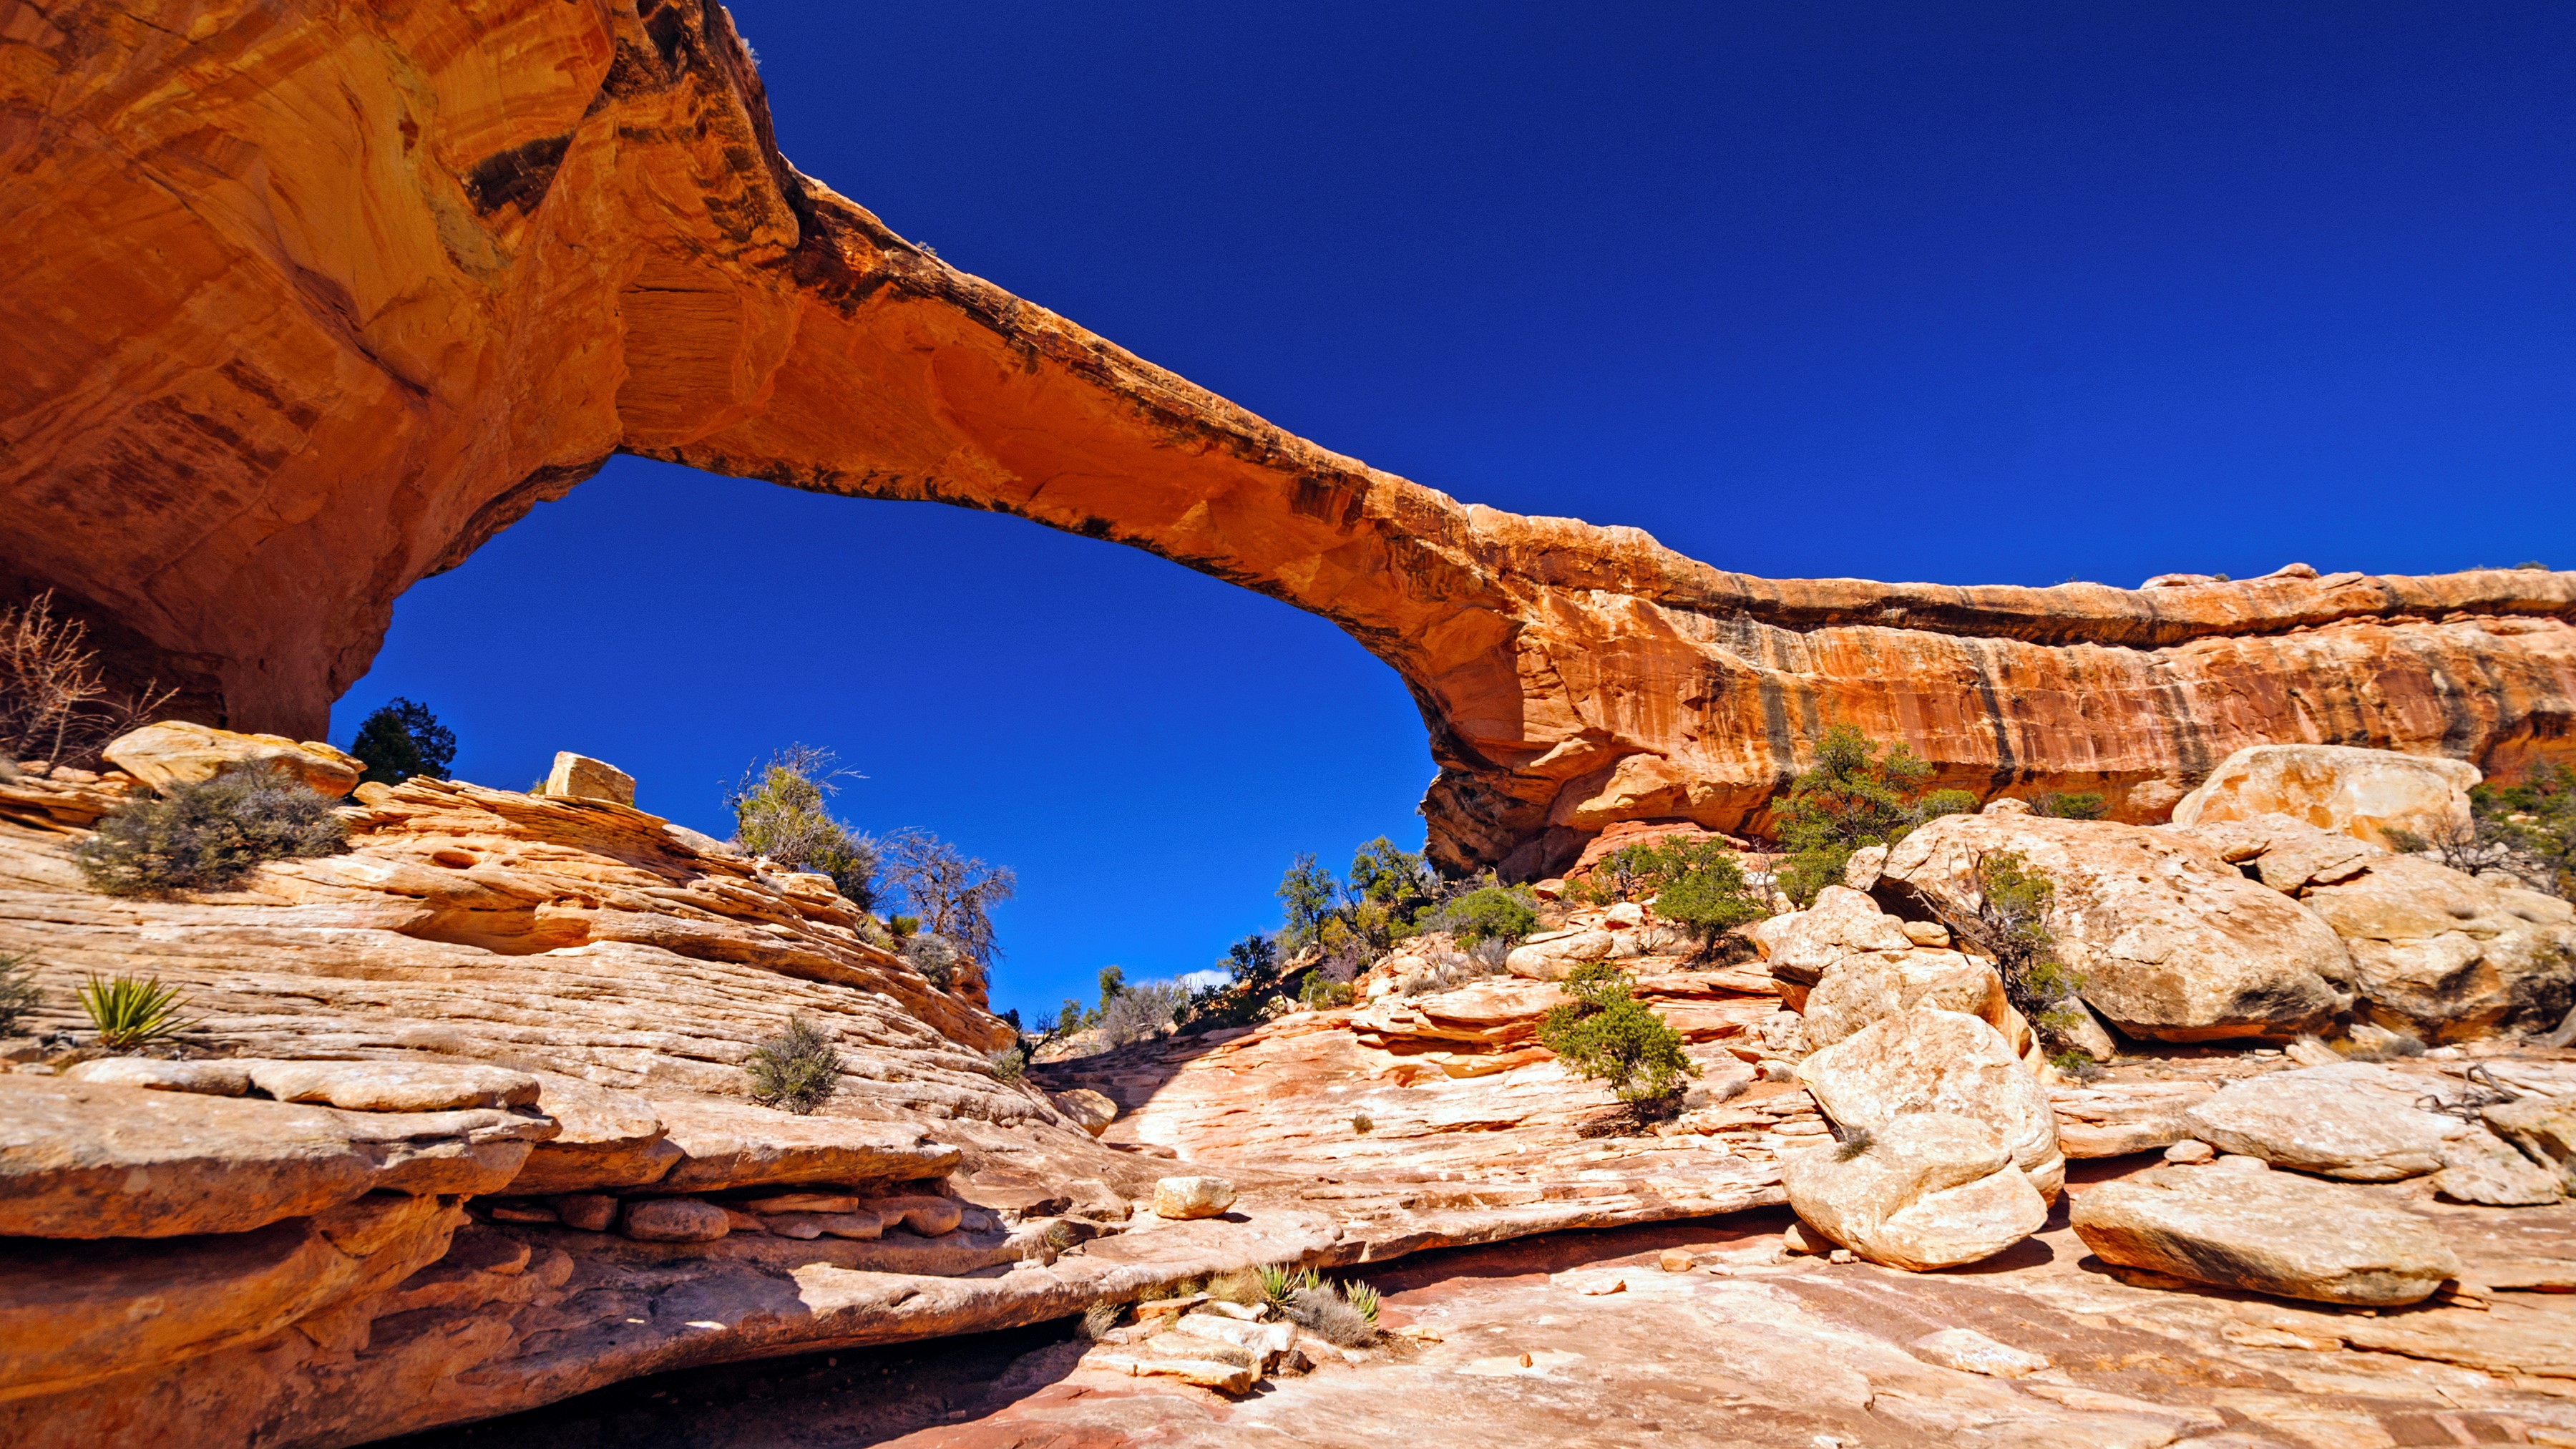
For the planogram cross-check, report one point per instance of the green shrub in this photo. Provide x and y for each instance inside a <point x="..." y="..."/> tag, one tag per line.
<point x="17" y="991"/>
<point x="1489" y="913"/>
<point x="1702" y="889"/>
<point x="1363" y="1297"/>
<point x="2534" y="823"/>
<point x="778" y="811"/>
<point x="1321" y="994"/>
<point x="207" y="836"/>
<point x="1604" y="1033"/>
<point x="1946" y="802"/>
<point x="402" y="739"/>
<point x="1009" y="1064"/>
<point x="2071" y="805"/>
<point x="1853" y="795"/>
<point x="934" y="956"/>
<point x="132" y="1012"/>
<point x="796" y="1070"/>
<point x="2012" y="926"/>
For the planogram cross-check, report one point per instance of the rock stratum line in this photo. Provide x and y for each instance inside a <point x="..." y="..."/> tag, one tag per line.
<point x="312" y="299"/>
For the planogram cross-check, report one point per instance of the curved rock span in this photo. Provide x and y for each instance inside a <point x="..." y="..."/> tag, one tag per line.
<point x="311" y="299"/>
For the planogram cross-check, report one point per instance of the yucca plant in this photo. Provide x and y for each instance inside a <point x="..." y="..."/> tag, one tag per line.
<point x="133" y="1012"/>
<point x="1362" y="1297"/>
<point x="1279" y="1282"/>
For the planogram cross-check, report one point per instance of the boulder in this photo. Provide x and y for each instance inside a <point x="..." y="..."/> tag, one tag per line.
<point x="1861" y="989"/>
<point x="2435" y="951"/>
<point x="2480" y="1167"/>
<point x="2169" y="940"/>
<point x="91" y="1160"/>
<point x="2261" y="1232"/>
<point x="394" y="1086"/>
<point x="1192" y="1197"/>
<point x="579" y="777"/>
<point x="2543" y="1128"/>
<point x="206" y="1079"/>
<point x="2355" y="792"/>
<point x="592" y="1212"/>
<point x="1922" y="1191"/>
<point x="674" y="1220"/>
<point x="2355" y="1121"/>
<point x="1801" y="946"/>
<point x="1550" y="957"/>
<point x="1930" y="1060"/>
<point x="726" y="1145"/>
<point x="175" y="752"/>
<point x="1091" y="1111"/>
<point x="1860" y="873"/>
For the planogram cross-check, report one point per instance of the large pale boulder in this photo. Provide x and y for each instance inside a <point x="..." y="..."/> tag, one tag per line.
<point x="176" y="752"/>
<point x="2434" y="951"/>
<point x="2265" y="1232"/>
<point x="1091" y="1111"/>
<point x="1863" y="988"/>
<point x="2543" y="1128"/>
<point x="2353" y="1120"/>
<point x="579" y="777"/>
<point x="1930" y="1060"/>
<point x="2170" y="941"/>
<point x="1801" y="946"/>
<point x="2360" y="793"/>
<point x="1192" y="1197"/>
<point x="2480" y="1167"/>
<point x="1922" y="1191"/>
<point x="1551" y="957"/>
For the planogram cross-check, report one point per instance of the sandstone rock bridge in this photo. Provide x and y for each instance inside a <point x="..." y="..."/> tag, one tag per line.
<point x="309" y="299"/>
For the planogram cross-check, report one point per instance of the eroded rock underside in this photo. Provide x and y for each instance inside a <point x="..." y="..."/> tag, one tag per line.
<point x="312" y="299"/>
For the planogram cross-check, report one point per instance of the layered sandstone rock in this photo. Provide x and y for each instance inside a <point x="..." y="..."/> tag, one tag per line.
<point x="390" y="277"/>
<point x="2360" y="793"/>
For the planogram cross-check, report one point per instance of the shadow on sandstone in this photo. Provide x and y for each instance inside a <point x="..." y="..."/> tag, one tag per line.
<point x="844" y="1399"/>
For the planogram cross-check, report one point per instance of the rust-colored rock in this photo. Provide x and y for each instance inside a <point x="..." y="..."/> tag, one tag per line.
<point x="313" y="298"/>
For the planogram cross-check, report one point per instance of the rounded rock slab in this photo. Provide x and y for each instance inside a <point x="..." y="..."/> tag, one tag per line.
<point x="175" y="752"/>
<point x="1091" y="1111"/>
<point x="1924" y="1191"/>
<point x="206" y="1079"/>
<point x="395" y="1086"/>
<point x="675" y="1220"/>
<point x="2351" y="1120"/>
<point x="2265" y="1232"/>
<point x="1192" y="1197"/>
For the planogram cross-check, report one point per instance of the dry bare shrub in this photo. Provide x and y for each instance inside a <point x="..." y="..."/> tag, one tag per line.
<point x="55" y="703"/>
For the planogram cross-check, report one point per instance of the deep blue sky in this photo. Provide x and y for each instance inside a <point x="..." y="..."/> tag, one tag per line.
<point x="1968" y="293"/>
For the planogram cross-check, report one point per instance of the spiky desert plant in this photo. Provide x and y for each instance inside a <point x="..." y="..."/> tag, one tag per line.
<point x="133" y="1012"/>
<point x="796" y="1070"/>
<point x="1362" y="1297"/>
<point x="1280" y="1282"/>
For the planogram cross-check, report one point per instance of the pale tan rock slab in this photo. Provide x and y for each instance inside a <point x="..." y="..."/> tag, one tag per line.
<point x="1192" y="1197"/>
<point x="2265" y="1232"/>
<point x="2354" y="1121"/>
<point x="176" y="752"/>
<point x="384" y="1086"/>
<point x="1928" y="1190"/>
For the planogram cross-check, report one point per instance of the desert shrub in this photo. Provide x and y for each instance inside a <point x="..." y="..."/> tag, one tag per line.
<point x="1946" y="802"/>
<point x="1326" y="1314"/>
<point x="402" y="739"/>
<point x="1363" y="1124"/>
<point x="934" y="956"/>
<point x="1308" y="894"/>
<point x="1243" y="1286"/>
<point x="796" y="1070"/>
<point x="1101" y="1317"/>
<point x="1854" y="794"/>
<point x="1487" y="913"/>
<point x="952" y="892"/>
<point x="1856" y="1143"/>
<point x="1701" y="887"/>
<point x="132" y="1012"/>
<point x="1604" y="1033"/>
<point x="17" y="991"/>
<point x="779" y="810"/>
<point x="2013" y="901"/>
<point x="1136" y="1012"/>
<point x="2530" y="826"/>
<point x="1279" y="1282"/>
<point x="55" y="703"/>
<point x="1009" y="1064"/>
<point x="1322" y="993"/>
<point x="2070" y="805"/>
<point x="208" y="835"/>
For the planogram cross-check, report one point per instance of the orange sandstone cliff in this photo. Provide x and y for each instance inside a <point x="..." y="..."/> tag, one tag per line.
<point x="308" y="299"/>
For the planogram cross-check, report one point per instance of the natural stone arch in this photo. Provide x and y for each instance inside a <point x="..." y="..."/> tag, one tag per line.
<point x="270" y="372"/>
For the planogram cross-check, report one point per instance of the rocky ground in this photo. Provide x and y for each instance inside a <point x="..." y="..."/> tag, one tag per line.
<point x="461" y="1133"/>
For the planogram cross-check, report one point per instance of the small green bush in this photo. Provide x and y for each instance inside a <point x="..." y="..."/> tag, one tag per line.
<point x="2072" y="805"/>
<point x="1945" y="802"/>
<point x="17" y="991"/>
<point x="778" y="811"/>
<point x="402" y="739"/>
<point x="1855" y="794"/>
<point x="1009" y="1064"/>
<point x="2012" y="925"/>
<point x="1320" y="994"/>
<point x="1704" y="891"/>
<point x="207" y="836"/>
<point x="132" y="1012"/>
<point x="796" y="1070"/>
<point x="1604" y="1033"/>
<point x="1488" y="913"/>
<point x="1364" y="1298"/>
